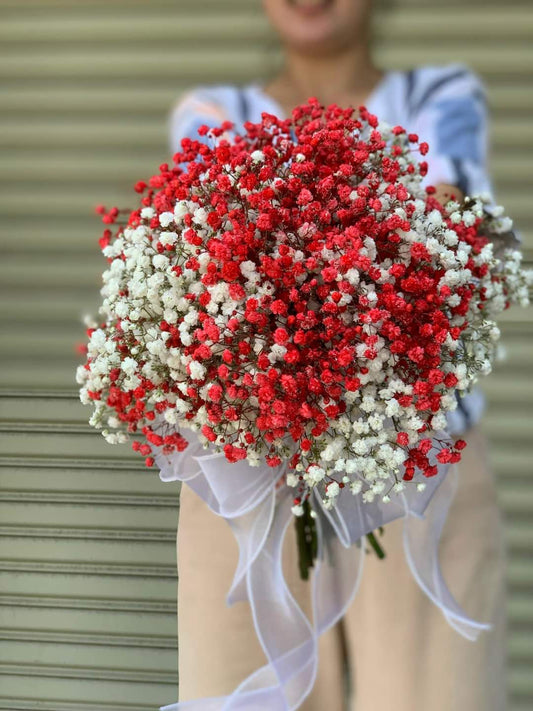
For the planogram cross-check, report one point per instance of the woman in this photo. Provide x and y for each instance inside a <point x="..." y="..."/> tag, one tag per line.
<point x="400" y="653"/>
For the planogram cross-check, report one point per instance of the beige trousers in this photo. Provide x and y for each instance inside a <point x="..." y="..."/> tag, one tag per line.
<point x="400" y="653"/>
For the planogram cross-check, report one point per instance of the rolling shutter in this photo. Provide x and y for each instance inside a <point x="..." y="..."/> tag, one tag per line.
<point x="87" y="546"/>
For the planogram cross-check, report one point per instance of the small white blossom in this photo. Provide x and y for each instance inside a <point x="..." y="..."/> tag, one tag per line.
<point x="197" y="370"/>
<point x="166" y="219"/>
<point x="147" y="213"/>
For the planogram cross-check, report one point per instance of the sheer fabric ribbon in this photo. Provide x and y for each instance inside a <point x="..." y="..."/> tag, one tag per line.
<point x="259" y="515"/>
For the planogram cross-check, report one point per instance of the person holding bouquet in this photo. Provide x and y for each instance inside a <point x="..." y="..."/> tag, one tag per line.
<point x="399" y="653"/>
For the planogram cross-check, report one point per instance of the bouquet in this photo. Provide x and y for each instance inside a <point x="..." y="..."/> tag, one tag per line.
<point x="299" y="298"/>
<point x="299" y="301"/>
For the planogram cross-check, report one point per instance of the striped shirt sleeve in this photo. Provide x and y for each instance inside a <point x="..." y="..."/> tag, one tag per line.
<point x="449" y="112"/>
<point x="195" y="108"/>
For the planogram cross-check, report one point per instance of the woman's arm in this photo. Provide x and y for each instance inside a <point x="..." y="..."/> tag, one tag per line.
<point x="449" y="111"/>
<point x="196" y="107"/>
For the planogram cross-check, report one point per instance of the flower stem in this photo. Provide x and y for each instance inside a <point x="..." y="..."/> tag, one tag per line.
<point x="375" y="545"/>
<point x="307" y="540"/>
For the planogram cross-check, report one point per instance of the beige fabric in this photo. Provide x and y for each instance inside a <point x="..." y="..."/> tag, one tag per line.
<point x="401" y="654"/>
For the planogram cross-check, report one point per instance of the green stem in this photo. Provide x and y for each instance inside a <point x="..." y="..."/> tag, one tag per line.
<point x="375" y="545"/>
<point x="307" y="540"/>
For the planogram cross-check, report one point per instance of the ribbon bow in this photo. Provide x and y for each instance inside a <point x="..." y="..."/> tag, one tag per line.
<point x="259" y="514"/>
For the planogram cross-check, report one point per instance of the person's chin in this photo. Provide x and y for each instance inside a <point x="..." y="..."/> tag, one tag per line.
<point x="317" y="40"/>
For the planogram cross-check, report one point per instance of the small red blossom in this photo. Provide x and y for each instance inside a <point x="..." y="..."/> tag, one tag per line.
<point x="402" y="438"/>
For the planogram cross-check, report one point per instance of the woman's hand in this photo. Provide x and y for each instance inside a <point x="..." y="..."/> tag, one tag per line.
<point x="444" y="193"/>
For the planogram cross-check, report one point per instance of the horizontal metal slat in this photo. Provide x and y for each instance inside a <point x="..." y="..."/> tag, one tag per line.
<point x="517" y="499"/>
<point x="92" y="486"/>
<point x="429" y="23"/>
<point x="518" y="534"/>
<point x="72" y="463"/>
<point x="156" y="63"/>
<point x="86" y="171"/>
<point x="97" y="693"/>
<point x="54" y="373"/>
<point x="520" y="610"/>
<point x="37" y="9"/>
<point x="102" y="548"/>
<point x="98" y="543"/>
<point x="92" y="622"/>
<point x="10" y="634"/>
<point x="64" y="602"/>
<point x="510" y="428"/>
<point x="246" y="26"/>
<point x="79" y="517"/>
<point x="67" y="205"/>
<point x="84" y="498"/>
<point x="520" y="575"/>
<point x="87" y="590"/>
<point x="82" y="651"/>
<point x="51" y="138"/>
<point x="521" y="646"/>
<point x="61" y="102"/>
<point x="514" y="60"/>
<point x="521" y="681"/>
<point x="45" y="408"/>
<point x="26" y="704"/>
<point x="85" y="568"/>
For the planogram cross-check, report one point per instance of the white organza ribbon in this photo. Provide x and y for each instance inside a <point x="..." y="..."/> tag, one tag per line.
<point x="259" y="515"/>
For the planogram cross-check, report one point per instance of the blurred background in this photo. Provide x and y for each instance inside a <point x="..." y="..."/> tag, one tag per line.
<point x="87" y="545"/>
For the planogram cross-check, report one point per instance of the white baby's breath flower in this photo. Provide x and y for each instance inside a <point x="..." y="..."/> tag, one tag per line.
<point x="160" y="261"/>
<point x="167" y="238"/>
<point x="197" y="370"/>
<point x="181" y="208"/>
<point x="332" y="490"/>
<point x="129" y="366"/>
<point x="166" y="219"/>
<point x="200" y="216"/>
<point x="292" y="479"/>
<point x="147" y="213"/>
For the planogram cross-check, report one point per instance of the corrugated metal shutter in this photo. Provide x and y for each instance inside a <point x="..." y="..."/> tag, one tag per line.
<point x="87" y="556"/>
